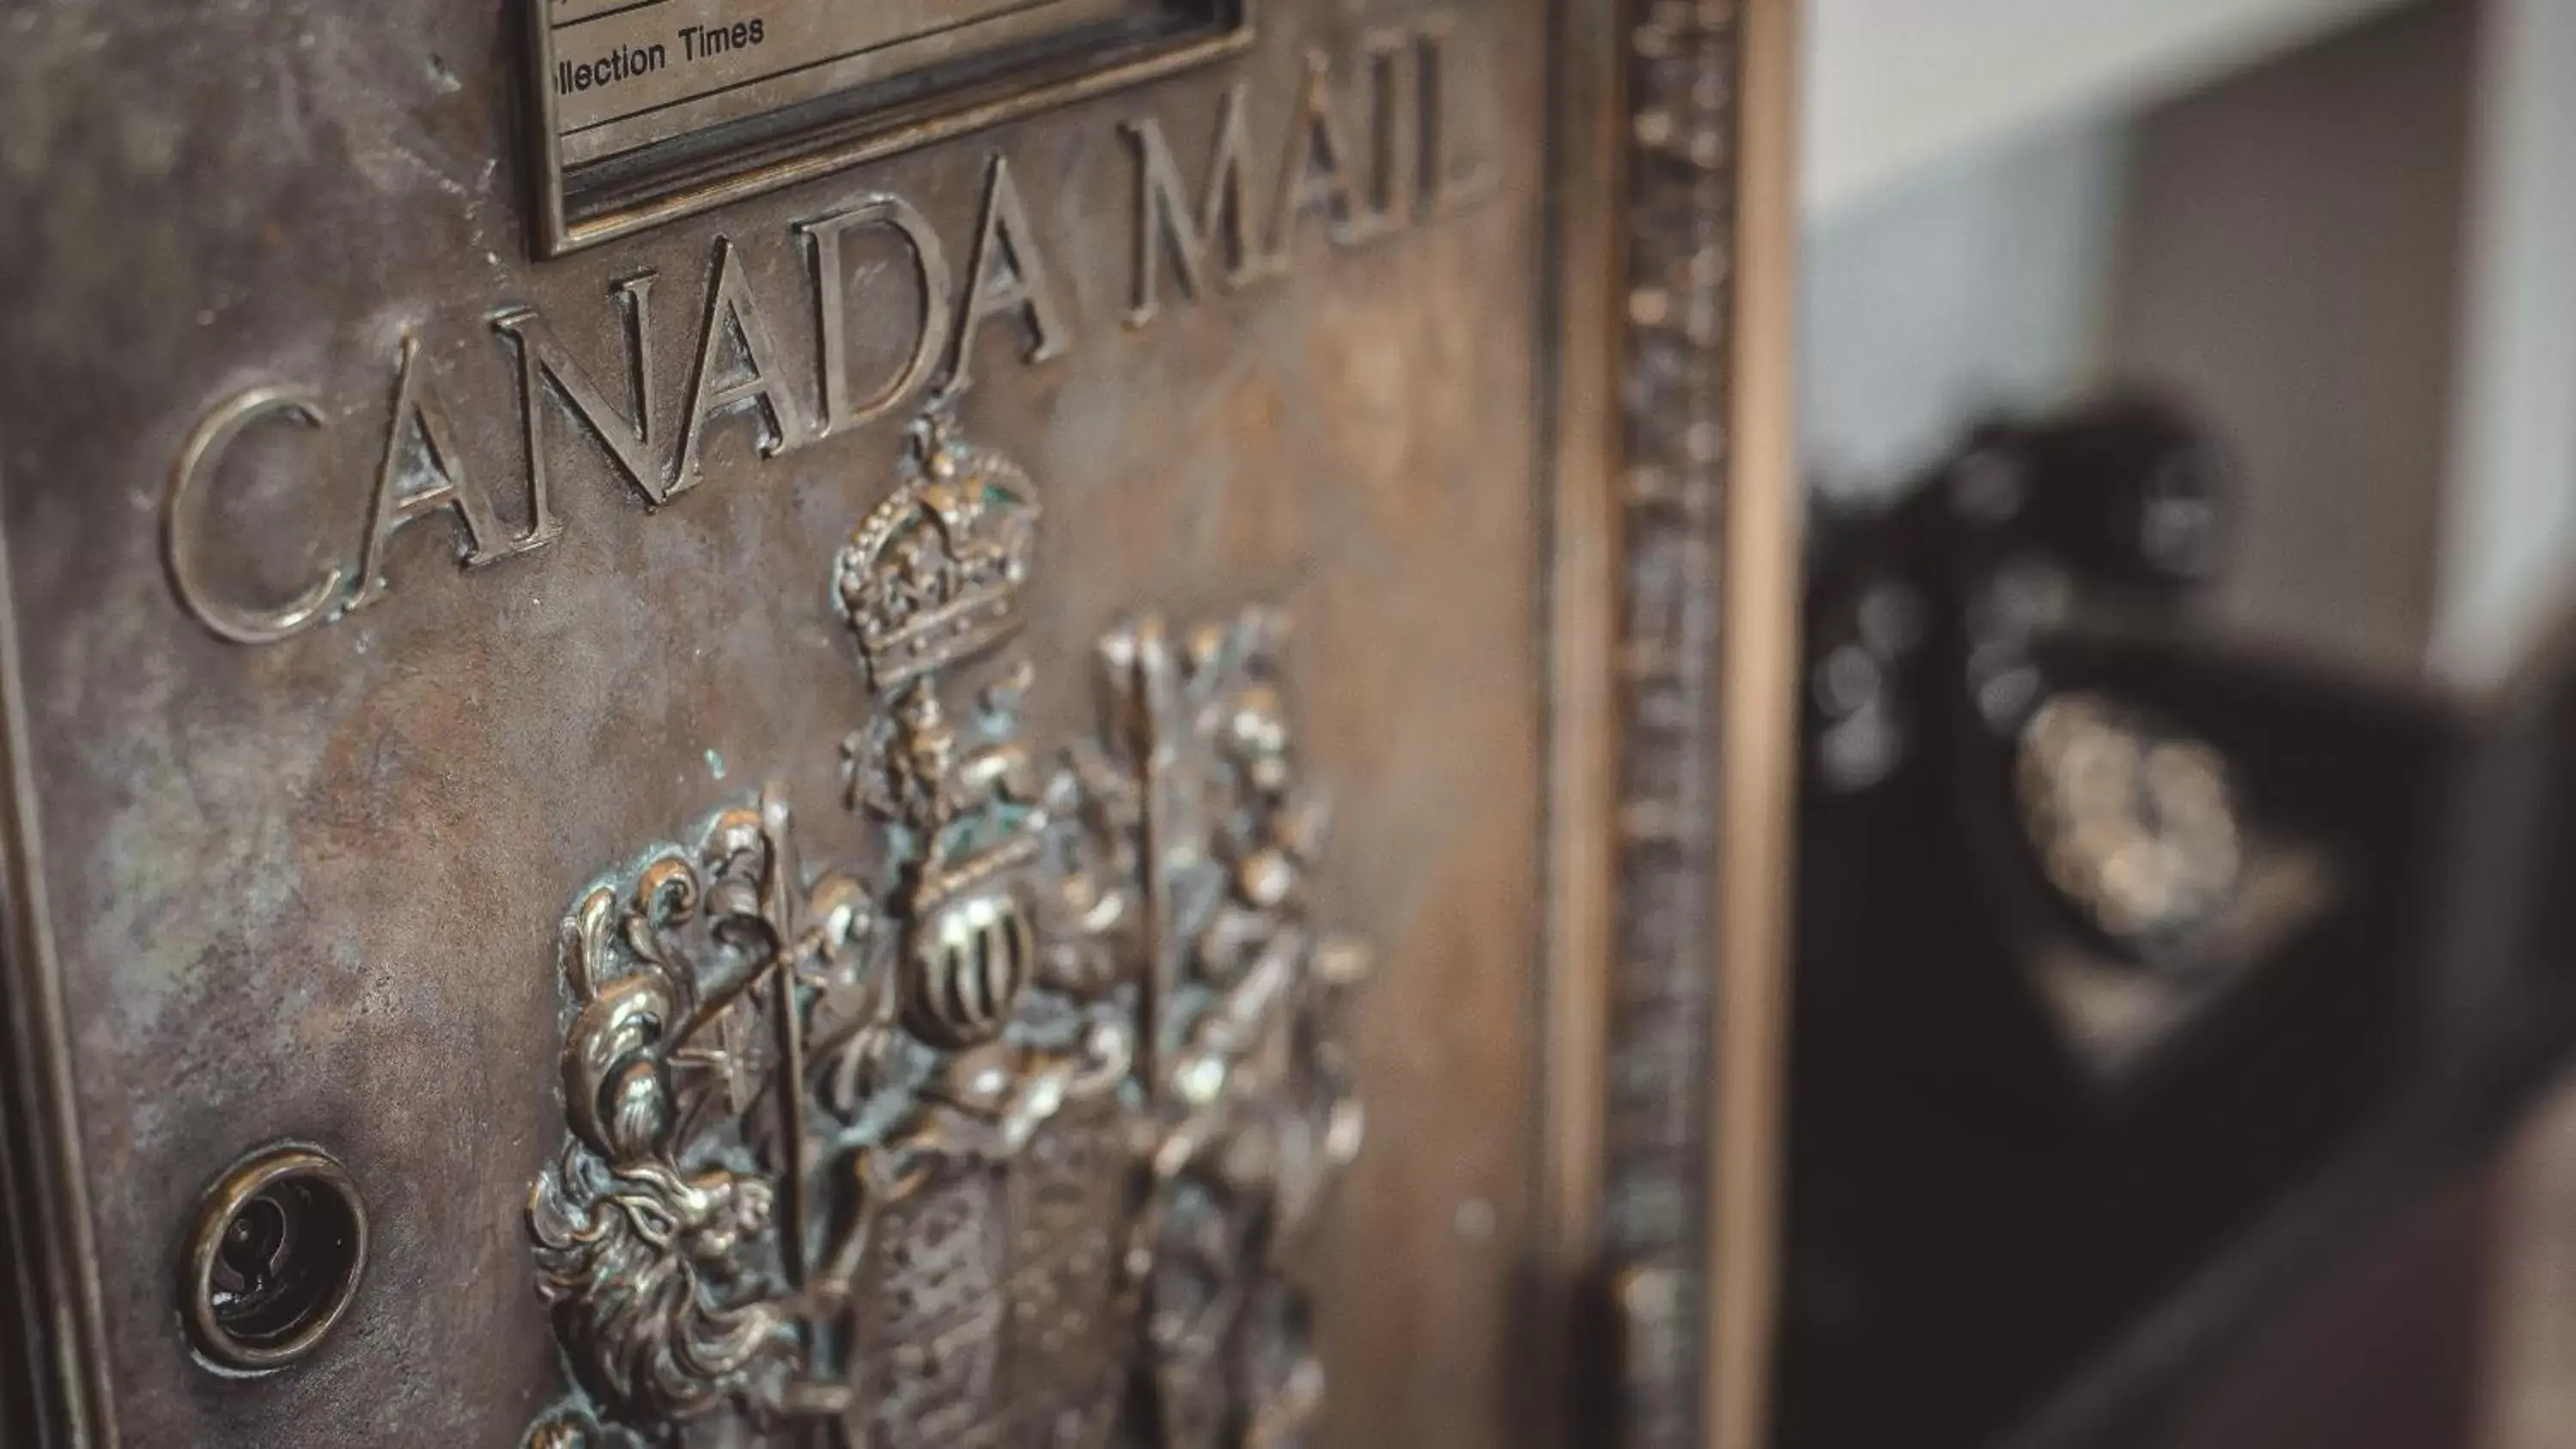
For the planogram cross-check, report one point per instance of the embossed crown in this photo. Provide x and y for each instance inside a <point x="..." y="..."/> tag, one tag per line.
<point x="933" y="574"/>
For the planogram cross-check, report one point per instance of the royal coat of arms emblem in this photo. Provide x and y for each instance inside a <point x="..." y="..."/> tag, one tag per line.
<point x="1007" y="1135"/>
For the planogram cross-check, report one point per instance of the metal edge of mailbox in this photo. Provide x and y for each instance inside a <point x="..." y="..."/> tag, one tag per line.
<point x="1673" y="563"/>
<point x="1759" y="765"/>
<point x="59" y="1385"/>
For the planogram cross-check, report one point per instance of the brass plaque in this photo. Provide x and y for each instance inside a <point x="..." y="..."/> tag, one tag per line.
<point x="626" y="76"/>
<point x="653" y="108"/>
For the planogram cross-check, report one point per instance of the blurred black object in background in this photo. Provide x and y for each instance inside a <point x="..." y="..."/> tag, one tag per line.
<point x="2142" y="978"/>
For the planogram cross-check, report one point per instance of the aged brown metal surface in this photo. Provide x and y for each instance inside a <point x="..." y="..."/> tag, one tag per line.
<point x="321" y="838"/>
<point x="1021" y="1144"/>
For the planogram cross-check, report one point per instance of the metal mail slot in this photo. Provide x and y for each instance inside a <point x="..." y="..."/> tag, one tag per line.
<point x="654" y="108"/>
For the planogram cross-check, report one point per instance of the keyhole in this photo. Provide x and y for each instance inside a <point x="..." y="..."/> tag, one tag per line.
<point x="275" y="1260"/>
<point x="255" y="1242"/>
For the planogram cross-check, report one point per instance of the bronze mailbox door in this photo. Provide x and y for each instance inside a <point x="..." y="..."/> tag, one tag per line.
<point x="789" y="722"/>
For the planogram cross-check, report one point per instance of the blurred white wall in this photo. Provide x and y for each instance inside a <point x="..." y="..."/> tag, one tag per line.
<point x="1972" y="284"/>
<point x="1894" y="86"/>
<point x="2508" y="544"/>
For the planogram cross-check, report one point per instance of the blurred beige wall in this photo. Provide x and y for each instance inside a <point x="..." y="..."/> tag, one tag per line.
<point x="2530" y="1393"/>
<point x="2290" y="266"/>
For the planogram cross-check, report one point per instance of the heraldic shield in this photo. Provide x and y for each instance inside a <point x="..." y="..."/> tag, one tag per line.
<point x="1005" y="1137"/>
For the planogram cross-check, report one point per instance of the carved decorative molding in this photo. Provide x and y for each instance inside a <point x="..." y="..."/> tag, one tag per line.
<point x="1008" y="1136"/>
<point x="1677" y="275"/>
